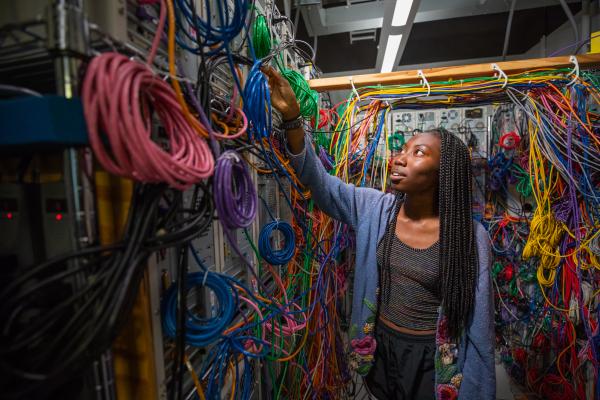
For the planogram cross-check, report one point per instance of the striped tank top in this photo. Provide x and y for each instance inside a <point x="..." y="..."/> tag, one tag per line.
<point x="411" y="296"/>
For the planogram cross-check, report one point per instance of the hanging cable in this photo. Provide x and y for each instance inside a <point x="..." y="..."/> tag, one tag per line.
<point x="201" y="331"/>
<point x="257" y="103"/>
<point x="307" y="98"/>
<point x="235" y="196"/>
<point x="285" y="254"/>
<point x="261" y="37"/>
<point x="120" y="97"/>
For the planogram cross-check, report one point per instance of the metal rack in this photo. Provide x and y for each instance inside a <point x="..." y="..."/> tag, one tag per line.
<point x="46" y="51"/>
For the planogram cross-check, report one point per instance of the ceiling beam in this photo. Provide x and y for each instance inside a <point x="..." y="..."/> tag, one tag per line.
<point x="388" y="30"/>
<point x="458" y="8"/>
<point x="326" y="21"/>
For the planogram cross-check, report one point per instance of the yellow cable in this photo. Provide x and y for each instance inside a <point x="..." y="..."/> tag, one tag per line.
<point x="174" y="82"/>
<point x="197" y="384"/>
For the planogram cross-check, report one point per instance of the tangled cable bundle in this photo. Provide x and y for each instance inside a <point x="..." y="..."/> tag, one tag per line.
<point x="71" y="327"/>
<point x="118" y="96"/>
<point x="294" y="317"/>
<point x="234" y="192"/>
<point x="214" y="36"/>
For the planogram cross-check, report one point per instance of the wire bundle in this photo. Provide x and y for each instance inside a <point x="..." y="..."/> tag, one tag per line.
<point x="75" y="324"/>
<point x="261" y="37"/>
<point x="296" y="325"/>
<point x="307" y="98"/>
<point x="285" y="254"/>
<point x="257" y="103"/>
<point x="234" y="192"/>
<point x="210" y="37"/>
<point x="118" y="96"/>
<point x="200" y="331"/>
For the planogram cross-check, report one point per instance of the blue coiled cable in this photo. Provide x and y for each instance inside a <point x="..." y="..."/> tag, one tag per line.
<point x="199" y="331"/>
<point x="257" y="103"/>
<point x="277" y="257"/>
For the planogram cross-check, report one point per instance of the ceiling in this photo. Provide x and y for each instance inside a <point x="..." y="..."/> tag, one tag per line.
<point x="442" y="30"/>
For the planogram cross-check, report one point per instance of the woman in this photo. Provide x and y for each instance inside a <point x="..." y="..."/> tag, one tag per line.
<point x="422" y="283"/>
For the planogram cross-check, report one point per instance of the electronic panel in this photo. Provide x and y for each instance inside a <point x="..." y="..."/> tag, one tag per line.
<point x="402" y="122"/>
<point x="16" y="227"/>
<point x="475" y="129"/>
<point x="451" y="119"/>
<point x="426" y="120"/>
<point x="58" y="232"/>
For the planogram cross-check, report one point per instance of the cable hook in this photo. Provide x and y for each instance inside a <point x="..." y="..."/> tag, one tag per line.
<point x="575" y="62"/>
<point x="501" y="74"/>
<point x="424" y="81"/>
<point x="351" y="79"/>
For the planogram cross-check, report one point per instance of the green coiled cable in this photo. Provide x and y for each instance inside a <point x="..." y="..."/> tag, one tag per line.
<point x="308" y="99"/>
<point x="261" y="37"/>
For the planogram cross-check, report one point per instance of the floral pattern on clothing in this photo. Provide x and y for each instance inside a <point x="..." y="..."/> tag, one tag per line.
<point x="446" y="392"/>
<point x="448" y="376"/>
<point x="363" y="344"/>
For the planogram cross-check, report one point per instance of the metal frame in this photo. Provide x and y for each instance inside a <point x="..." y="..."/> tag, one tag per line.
<point x="388" y="30"/>
<point x="326" y="21"/>
<point x="456" y="73"/>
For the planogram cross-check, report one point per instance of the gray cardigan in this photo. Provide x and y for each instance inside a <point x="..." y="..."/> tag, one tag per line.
<point x="464" y="370"/>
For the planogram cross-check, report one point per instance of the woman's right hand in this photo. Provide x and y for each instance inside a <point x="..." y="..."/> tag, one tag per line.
<point x="283" y="98"/>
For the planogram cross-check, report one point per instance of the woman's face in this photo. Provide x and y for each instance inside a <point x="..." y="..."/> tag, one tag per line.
<point x="416" y="168"/>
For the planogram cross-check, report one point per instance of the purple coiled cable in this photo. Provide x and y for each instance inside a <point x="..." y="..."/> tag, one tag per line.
<point x="234" y="192"/>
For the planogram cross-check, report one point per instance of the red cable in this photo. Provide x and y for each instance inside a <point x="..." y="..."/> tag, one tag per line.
<point x="509" y="141"/>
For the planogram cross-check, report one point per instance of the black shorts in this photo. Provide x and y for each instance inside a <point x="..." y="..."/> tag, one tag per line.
<point x="404" y="366"/>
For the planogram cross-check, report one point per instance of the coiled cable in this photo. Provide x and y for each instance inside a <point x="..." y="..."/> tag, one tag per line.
<point x="308" y="99"/>
<point x="261" y="37"/>
<point x="118" y="96"/>
<point x="281" y="256"/>
<point x="257" y="103"/>
<point x="200" y="331"/>
<point x="234" y="192"/>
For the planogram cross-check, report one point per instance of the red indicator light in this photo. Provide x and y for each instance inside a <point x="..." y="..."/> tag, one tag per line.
<point x="9" y="215"/>
<point x="59" y="217"/>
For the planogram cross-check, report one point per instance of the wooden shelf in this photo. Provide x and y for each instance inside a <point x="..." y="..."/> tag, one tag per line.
<point x="454" y="73"/>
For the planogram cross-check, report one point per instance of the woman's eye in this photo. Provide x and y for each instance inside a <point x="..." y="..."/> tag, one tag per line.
<point x="419" y="152"/>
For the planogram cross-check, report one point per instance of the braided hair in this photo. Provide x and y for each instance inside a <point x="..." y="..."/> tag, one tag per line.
<point x="458" y="255"/>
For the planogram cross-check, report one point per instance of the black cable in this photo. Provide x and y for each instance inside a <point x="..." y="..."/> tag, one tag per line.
<point x="179" y="353"/>
<point x="49" y="334"/>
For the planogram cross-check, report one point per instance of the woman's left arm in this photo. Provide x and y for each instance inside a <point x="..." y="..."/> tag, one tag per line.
<point x="479" y="375"/>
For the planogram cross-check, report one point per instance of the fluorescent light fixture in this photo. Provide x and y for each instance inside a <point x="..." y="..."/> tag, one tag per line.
<point x="391" y="50"/>
<point x="401" y="11"/>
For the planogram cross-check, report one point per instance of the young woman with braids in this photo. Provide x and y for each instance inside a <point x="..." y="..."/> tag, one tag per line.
<point x="422" y="311"/>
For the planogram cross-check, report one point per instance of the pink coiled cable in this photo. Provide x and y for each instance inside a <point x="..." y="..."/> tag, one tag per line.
<point x="119" y="97"/>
